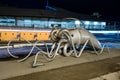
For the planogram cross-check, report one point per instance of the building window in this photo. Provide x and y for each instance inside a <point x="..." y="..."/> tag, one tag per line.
<point x="7" y="21"/>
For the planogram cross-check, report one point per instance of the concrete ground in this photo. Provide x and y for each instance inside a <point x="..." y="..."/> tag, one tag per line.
<point x="11" y="68"/>
<point x="110" y="76"/>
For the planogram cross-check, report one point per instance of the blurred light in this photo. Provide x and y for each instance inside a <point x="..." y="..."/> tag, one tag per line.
<point x="106" y="32"/>
<point x="103" y="23"/>
<point x="77" y="22"/>
<point x="95" y="23"/>
<point x="87" y="22"/>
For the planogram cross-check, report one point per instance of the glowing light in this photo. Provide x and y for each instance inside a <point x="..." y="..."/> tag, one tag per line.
<point x="77" y="22"/>
<point x="103" y="23"/>
<point x="95" y="23"/>
<point x="87" y="22"/>
<point x="106" y="32"/>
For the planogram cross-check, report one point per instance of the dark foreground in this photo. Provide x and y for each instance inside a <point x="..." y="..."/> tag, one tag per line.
<point x="83" y="71"/>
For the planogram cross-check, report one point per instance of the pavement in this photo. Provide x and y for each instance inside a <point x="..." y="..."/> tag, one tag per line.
<point x="110" y="76"/>
<point x="12" y="68"/>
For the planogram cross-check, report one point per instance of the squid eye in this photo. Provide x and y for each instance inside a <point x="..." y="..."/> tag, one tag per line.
<point x="72" y="35"/>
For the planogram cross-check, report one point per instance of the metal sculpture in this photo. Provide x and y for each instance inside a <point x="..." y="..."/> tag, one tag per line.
<point x="75" y="37"/>
<point x="68" y="41"/>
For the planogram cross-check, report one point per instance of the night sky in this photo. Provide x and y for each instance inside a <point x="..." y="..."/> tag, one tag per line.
<point x="104" y="7"/>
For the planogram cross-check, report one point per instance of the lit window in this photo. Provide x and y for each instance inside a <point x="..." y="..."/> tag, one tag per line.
<point x="103" y="23"/>
<point x="95" y="23"/>
<point x="77" y="22"/>
<point x="87" y="23"/>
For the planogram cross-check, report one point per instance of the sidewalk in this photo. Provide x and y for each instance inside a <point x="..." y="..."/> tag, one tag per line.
<point x="110" y="76"/>
<point x="12" y="68"/>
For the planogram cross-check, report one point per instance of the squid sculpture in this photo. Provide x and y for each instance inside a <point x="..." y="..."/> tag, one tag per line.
<point x="74" y="38"/>
<point x="68" y="42"/>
